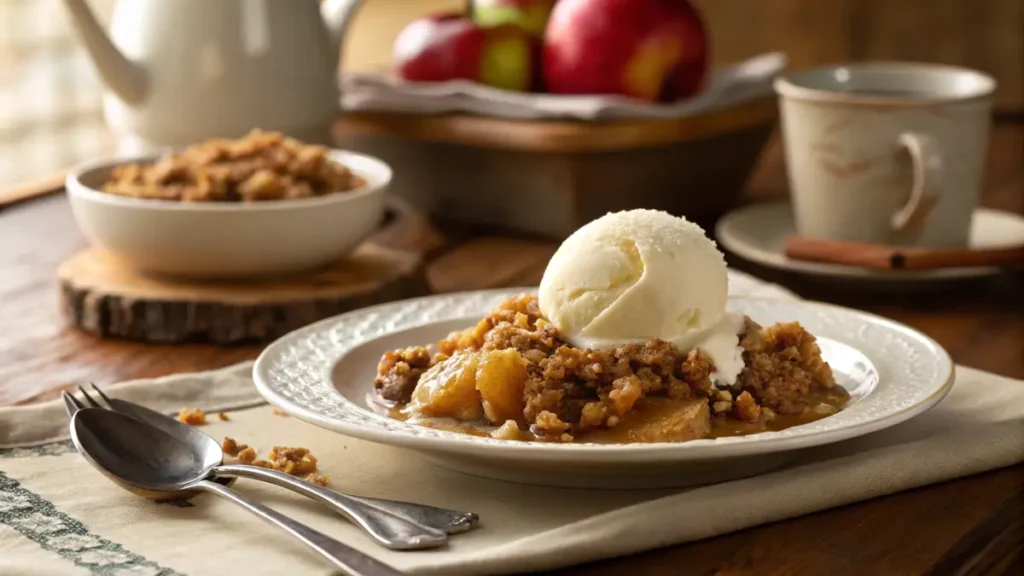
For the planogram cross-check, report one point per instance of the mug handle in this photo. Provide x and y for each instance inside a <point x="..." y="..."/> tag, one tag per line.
<point x="927" y="169"/>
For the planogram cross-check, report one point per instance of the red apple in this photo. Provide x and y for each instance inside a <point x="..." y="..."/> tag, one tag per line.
<point x="531" y="15"/>
<point x="451" y="46"/>
<point x="646" y="49"/>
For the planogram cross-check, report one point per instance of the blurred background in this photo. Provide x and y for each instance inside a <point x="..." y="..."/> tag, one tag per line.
<point x="483" y="191"/>
<point x="50" y="114"/>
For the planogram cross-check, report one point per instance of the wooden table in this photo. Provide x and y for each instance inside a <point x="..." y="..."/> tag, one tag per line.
<point x="969" y="526"/>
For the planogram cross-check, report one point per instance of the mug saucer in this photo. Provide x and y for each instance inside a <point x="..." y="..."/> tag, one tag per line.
<point x="757" y="232"/>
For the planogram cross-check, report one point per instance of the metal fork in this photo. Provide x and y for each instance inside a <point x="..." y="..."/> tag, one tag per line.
<point x="428" y="518"/>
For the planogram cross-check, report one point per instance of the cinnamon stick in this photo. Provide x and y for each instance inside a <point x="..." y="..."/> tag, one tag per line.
<point x="883" y="257"/>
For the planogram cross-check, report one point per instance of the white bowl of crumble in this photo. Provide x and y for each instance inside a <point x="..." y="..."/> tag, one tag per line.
<point x="257" y="206"/>
<point x="525" y="385"/>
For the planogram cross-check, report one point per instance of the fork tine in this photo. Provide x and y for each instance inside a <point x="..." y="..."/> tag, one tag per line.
<point x="92" y="403"/>
<point x="71" y="404"/>
<point x="102" y="395"/>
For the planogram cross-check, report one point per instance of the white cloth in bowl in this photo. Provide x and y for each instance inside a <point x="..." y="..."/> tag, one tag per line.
<point x="727" y="86"/>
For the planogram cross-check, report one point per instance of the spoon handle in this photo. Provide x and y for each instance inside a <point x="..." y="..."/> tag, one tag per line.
<point x="352" y="561"/>
<point x="393" y="531"/>
<point x="444" y="519"/>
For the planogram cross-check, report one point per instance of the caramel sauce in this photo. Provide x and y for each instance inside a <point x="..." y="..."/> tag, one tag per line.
<point x="820" y="404"/>
<point x="656" y="419"/>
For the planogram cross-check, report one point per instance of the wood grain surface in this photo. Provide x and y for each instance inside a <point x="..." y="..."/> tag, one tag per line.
<point x="105" y="297"/>
<point x="968" y="526"/>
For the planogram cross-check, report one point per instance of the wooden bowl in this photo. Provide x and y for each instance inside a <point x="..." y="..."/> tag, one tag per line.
<point x="551" y="177"/>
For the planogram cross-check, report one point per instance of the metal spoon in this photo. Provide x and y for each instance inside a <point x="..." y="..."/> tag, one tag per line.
<point x="147" y="461"/>
<point x="427" y="517"/>
<point x="390" y="530"/>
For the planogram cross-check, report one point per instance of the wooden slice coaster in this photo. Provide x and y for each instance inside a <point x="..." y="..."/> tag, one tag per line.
<point x="103" y="297"/>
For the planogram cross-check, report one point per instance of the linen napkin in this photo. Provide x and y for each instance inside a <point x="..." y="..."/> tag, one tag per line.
<point x="727" y="86"/>
<point x="59" y="516"/>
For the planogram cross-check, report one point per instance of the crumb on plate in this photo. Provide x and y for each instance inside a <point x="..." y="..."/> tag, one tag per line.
<point x="230" y="447"/>
<point x="192" y="416"/>
<point x="290" y="460"/>
<point x="247" y="456"/>
<point x="295" y="461"/>
<point x="318" y="479"/>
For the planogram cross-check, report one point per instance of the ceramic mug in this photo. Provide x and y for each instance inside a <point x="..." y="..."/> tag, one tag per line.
<point x="886" y="152"/>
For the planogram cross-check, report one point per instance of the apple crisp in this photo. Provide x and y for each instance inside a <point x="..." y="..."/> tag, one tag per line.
<point x="512" y="377"/>
<point x="319" y="480"/>
<point x="246" y="455"/>
<point x="192" y="416"/>
<point x="294" y="461"/>
<point x="260" y="166"/>
<point x="232" y="448"/>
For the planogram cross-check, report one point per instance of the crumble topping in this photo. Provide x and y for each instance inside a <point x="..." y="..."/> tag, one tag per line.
<point x="783" y="364"/>
<point x="321" y="481"/>
<point x="290" y="460"/>
<point x="247" y="455"/>
<point x="232" y="448"/>
<point x="192" y="416"/>
<point x="260" y="166"/>
<point x="746" y="408"/>
<point x="508" y="431"/>
<point x="295" y="461"/>
<point x="399" y="371"/>
<point x="512" y="368"/>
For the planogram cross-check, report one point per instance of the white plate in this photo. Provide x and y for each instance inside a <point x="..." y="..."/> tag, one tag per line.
<point x="757" y="233"/>
<point x="323" y="372"/>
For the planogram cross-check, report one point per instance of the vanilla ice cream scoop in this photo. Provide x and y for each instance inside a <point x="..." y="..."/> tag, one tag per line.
<point x="629" y="277"/>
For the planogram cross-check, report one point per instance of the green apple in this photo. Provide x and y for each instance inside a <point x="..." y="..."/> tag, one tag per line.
<point x="530" y="15"/>
<point x="449" y="47"/>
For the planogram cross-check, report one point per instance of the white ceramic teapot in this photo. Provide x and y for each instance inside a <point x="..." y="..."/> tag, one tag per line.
<point x="180" y="71"/>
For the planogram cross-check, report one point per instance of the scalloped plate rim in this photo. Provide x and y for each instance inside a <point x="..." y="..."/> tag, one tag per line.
<point x="440" y="442"/>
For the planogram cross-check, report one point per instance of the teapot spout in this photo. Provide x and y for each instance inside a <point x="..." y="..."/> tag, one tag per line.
<point x="337" y="15"/>
<point x="122" y="76"/>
